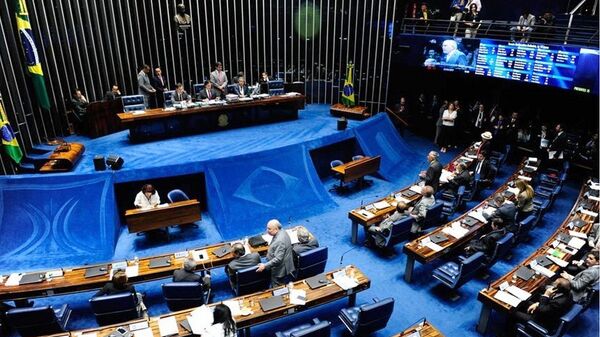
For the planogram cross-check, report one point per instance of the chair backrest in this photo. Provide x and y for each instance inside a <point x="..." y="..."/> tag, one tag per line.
<point x="471" y="265"/>
<point x="433" y="216"/>
<point x="34" y="321"/>
<point x="249" y="281"/>
<point x="373" y="316"/>
<point x="276" y="92"/>
<point x="230" y="88"/>
<point x="336" y="162"/>
<point x="132" y="100"/>
<point x="168" y="95"/>
<point x="135" y="107"/>
<point x="177" y="195"/>
<point x="311" y="263"/>
<point x="197" y="88"/>
<point x="526" y="224"/>
<point x="502" y="248"/>
<point x="321" y="329"/>
<point x="276" y="84"/>
<point x="357" y="157"/>
<point x="400" y="231"/>
<point x="115" y="308"/>
<point x="183" y="295"/>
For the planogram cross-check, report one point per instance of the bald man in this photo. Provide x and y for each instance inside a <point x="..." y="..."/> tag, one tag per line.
<point x="453" y="56"/>
<point x="279" y="255"/>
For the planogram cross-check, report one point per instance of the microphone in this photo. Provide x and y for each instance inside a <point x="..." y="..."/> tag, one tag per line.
<point x="367" y="197"/>
<point x="348" y="251"/>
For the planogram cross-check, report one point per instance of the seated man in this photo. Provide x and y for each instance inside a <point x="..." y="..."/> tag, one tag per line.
<point x="208" y="92"/>
<point x="113" y="94"/>
<point x="583" y="281"/>
<point x="186" y="274"/>
<point x="79" y="104"/>
<point x="524" y="26"/>
<point x="483" y="170"/>
<point x="505" y="210"/>
<point x="241" y="89"/>
<point x="241" y="260"/>
<point x="306" y="242"/>
<point x="487" y="242"/>
<point x="547" y="309"/>
<point x="460" y="177"/>
<point x="180" y="95"/>
<point x="378" y="234"/>
<point x="118" y="285"/>
<point x="419" y="211"/>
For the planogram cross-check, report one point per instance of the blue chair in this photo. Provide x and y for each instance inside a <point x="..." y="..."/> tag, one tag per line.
<point x="136" y="107"/>
<point x="433" y="216"/>
<point x="184" y="295"/>
<point x="248" y="281"/>
<point x="455" y="274"/>
<point x="196" y="88"/>
<point x="400" y="231"/>
<point x="311" y="263"/>
<point x="115" y="308"/>
<point x="168" y="95"/>
<point x="367" y="318"/>
<point x="533" y="329"/>
<point x="316" y="329"/>
<point x="524" y="226"/>
<point x="39" y="321"/>
<point x="451" y="201"/>
<point x="333" y="164"/>
<point x="177" y="195"/>
<point x="231" y="88"/>
<point x="133" y="100"/>
<point x="276" y="87"/>
<point x="502" y="249"/>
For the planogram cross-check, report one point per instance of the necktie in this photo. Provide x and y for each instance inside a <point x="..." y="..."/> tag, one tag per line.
<point x="479" y="119"/>
<point x="478" y="170"/>
<point x="161" y="81"/>
<point x="208" y="93"/>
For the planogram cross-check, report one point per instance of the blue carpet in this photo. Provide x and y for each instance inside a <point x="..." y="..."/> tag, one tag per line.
<point x="422" y="298"/>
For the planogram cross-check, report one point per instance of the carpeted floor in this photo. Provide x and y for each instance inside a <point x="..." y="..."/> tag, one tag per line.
<point x="422" y="298"/>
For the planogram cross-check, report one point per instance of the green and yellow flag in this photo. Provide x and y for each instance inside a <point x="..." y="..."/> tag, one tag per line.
<point x="31" y="54"/>
<point x="348" y="90"/>
<point x="8" y="137"/>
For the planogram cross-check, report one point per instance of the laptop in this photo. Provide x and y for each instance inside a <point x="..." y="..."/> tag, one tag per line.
<point x="271" y="303"/>
<point x="317" y="281"/>
<point x="32" y="278"/>
<point x="469" y="221"/>
<point x="160" y="262"/>
<point x="438" y="238"/>
<point x="222" y="251"/>
<point x="408" y="193"/>
<point x="525" y="273"/>
<point x="96" y="271"/>
<point x="543" y="261"/>
<point x="257" y="241"/>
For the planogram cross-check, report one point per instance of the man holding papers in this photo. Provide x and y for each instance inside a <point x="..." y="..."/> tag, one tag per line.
<point x="582" y="283"/>
<point x="280" y="255"/>
<point x="431" y="177"/>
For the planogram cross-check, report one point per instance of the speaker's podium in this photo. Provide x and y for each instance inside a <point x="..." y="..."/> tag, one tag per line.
<point x="355" y="112"/>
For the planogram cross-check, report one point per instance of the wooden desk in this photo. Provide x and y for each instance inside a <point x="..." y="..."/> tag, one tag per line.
<point x="63" y="159"/>
<point x="316" y="297"/>
<point x="374" y="215"/>
<point x="158" y="123"/>
<point x="176" y="213"/>
<point x="427" y="330"/>
<point x="537" y="282"/>
<point x="415" y="251"/>
<point x="73" y="279"/>
<point x="357" y="169"/>
<point x="101" y="117"/>
<point x="356" y="112"/>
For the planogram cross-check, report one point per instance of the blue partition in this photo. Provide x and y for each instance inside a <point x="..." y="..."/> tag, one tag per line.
<point x="57" y="220"/>
<point x="245" y="191"/>
<point x="379" y="137"/>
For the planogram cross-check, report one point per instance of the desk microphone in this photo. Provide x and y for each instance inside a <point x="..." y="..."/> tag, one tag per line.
<point x="348" y="251"/>
<point x="419" y="174"/>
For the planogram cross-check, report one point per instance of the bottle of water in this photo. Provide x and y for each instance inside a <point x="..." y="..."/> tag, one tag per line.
<point x="136" y="260"/>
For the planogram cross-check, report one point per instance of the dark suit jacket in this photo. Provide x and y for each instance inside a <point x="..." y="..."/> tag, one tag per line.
<point x="181" y="275"/>
<point x="432" y="176"/>
<point x="484" y="172"/>
<point x="506" y="212"/>
<point x="203" y="94"/>
<point x="180" y="97"/>
<point x="239" y="91"/>
<point x="246" y="261"/>
<point x="300" y="248"/>
<point x="110" y="289"/>
<point x="550" y="310"/>
<point x="156" y="83"/>
<point x="111" y="96"/>
<point x="487" y="242"/>
<point x="559" y="143"/>
<point x="485" y="147"/>
<point x="463" y="179"/>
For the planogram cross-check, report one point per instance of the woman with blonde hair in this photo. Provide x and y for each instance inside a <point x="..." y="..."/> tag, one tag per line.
<point x="524" y="199"/>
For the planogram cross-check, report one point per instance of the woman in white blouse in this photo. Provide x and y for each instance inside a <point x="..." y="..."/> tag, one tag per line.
<point x="147" y="197"/>
<point x="223" y="324"/>
<point x="448" y="118"/>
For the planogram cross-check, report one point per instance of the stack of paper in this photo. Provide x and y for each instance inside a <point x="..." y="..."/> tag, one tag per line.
<point x="445" y="177"/>
<point x="513" y="190"/>
<point x="507" y="298"/>
<point x="591" y="197"/>
<point x="344" y="281"/>
<point x="13" y="280"/>
<point x="532" y="168"/>
<point x="168" y="326"/>
<point x="468" y="159"/>
<point x="298" y="297"/>
<point x="416" y="189"/>
<point x="293" y="234"/>
<point x="542" y="270"/>
<point x="578" y="234"/>
<point x="382" y="204"/>
<point x="557" y="261"/>
<point x="455" y="230"/>
<point x="147" y="332"/>
<point x="477" y="215"/>
<point x="576" y="242"/>
<point x="202" y="318"/>
<point x="524" y="178"/>
<point x="54" y="274"/>
<point x="431" y="245"/>
<point x="132" y="271"/>
<point x="519" y="293"/>
<point x="234" y="306"/>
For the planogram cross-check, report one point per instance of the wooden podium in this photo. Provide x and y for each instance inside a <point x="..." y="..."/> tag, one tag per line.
<point x="357" y="112"/>
<point x="62" y="159"/>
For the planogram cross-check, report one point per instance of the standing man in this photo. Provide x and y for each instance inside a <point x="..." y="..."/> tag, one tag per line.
<point x="219" y="79"/>
<point x="159" y="82"/>
<point x="431" y="177"/>
<point x="280" y="257"/>
<point x="144" y="86"/>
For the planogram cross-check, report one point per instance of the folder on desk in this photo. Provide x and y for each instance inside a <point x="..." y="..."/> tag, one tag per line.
<point x="439" y="238"/>
<point x="564" y="238"/>
<point x="317" y="281"/>
<point x="543" y="261"/>
<point x="160" y="262"/>
<point x="222" y="251"/>
<point x="576" y="222"/>
<point x="469" y="221"/>
<point x="408" y="193"/>
<point x="525" y="273"/>
<point x="271" y="303"/>
<point x="96" y="271"/>
<point x="32" y="278"/>
<point x="257" y="241"/>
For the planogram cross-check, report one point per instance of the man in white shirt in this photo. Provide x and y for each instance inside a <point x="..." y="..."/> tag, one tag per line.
<point x="147" y="198"/>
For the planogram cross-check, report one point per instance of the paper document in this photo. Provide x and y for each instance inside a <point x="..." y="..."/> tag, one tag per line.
<point x="13" y="280"/>
<point x="578" y="234"/>
<point x="519" y="293"/>
<point x="542" y="270"/>
<point x="595" y="187"/>
<point x="54" y="274"/>
<point x="590" y="213"/>
<point x="382" y="205"/>
<point x="557" y="261"/>
<point x="234" y="306"/>
<point x="478" y="216"/>
<point x="202" y="318"/>
<point x="567" y="249"/>
<point x="416" y="189"/>
<point x="119" y="265"/>
<point x="591" y="197"/>
<point x="132" y="271"/>
<point x="431" y="245"/>
<point x="366" y="213"/>
<point x="298" y="297"/>
<point x="162" y="205"/>
<point x="524" y="178"/>
<point x="551" y="155"/>
<point x="344" y="281"/>
<point x="267" y="238"/>
<point x="467" y="158"/>
<point x="293" y="234"/>
<point x="400" y="198"/>
<point x="445" y="177"/>
<point x="513" y="190"/>
<point x="147" y="332"/>
<point x="576" y="243"/>
<point x="138" y="326"/>
<point x="532" y="168"/>
<point x="455" y="230"/>
<point x="507" y="298"/>
<point x="168" y="326"/>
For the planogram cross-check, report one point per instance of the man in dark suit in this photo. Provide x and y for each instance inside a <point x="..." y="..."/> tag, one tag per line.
<point x="159" y="82"/>
<point x="241" y="261"/>
<point x="486" y="143"/>
<point x="280" y="257"/>
<point x="431" y="177"/>
<point x="505" y="211"/>
<point x="487" y="242"/>
<point x="180" y="95"/>
<point x="113" y="94"/>
<point x="241" y="89"/>
<point x="186" y="274"/>
<point x="461" y="177"/>
<point x="559" y="143"/>
<point x="549" y="307"/>
<point x="208" y="93"/>
<point x="306" y="242"/>
<point x="483" y="171"/>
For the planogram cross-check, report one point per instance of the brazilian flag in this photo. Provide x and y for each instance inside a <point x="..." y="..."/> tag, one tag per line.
<point x="8" y="137"/>
<point x="348" y="91"/>
<point x="31" y="54"/>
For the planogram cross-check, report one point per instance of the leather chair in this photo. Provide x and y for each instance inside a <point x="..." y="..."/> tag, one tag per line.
<point x="367" y="318"/>
<point x="316" y="329"/>
<point x="168" y="96"/>
<point x="433" y="216"/>
<point x="533" y="329"/>
<point x="524" y="226"/>
<point x="311" y="263"/>
<point x="248" y="281"/>
<point x="501" y="250"/>
<point x="276" y="87"/>
<point x="400" y="231"/>
<point x="177" y="195"/>
<point x="455" y="274"/>
<point x="357" y="157"/>
<point x="115" y="308"/>
<point x="133" y="102"/>
<point x="451" y="201"/>
<point x="196" y="88"/>
<point x="38" y="321"/>
<point x="184" y="295"/>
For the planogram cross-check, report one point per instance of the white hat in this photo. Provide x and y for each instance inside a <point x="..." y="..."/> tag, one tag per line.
<point x="486" y="135"/>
